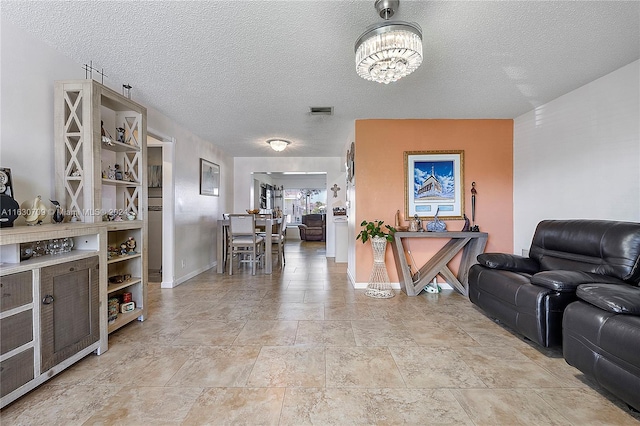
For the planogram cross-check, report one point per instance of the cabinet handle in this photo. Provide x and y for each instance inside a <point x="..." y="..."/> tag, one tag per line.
<point x="48" y="299"/>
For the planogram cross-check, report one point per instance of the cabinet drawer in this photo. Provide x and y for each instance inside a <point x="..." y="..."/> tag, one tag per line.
<point x="16" y="371"/>
<point x="16" y="330"/>
<point x="15" y="290"/>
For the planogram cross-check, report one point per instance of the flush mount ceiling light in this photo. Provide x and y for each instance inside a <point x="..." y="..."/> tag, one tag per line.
<point x="389" y="50"/>
<point x="278" y="144"/>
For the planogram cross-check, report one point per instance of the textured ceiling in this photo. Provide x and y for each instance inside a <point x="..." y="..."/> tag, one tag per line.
<point x="239" y="72"/>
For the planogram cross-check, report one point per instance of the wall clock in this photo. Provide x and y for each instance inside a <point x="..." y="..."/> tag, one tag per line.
<point x="6" y="186"/>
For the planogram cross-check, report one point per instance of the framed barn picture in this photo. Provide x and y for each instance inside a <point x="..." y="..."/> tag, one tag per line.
<point x="433" y="183"/>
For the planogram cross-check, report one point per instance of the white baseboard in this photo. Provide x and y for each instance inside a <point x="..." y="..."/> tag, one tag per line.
<point x="172" y="284"/>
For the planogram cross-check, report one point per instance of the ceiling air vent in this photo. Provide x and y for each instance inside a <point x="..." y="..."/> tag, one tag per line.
<point x="321" y="110"/>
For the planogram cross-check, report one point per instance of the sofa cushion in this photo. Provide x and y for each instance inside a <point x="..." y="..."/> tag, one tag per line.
<point x="508" y="262"/>
<point x="569" y="280"/>
<point x="620" y="299"/>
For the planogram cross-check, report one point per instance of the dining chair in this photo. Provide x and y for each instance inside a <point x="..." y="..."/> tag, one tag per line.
<point x="277" y="240"/>
<point x="243" y="241"/>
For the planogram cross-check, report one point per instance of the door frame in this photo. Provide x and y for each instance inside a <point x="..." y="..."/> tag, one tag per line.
<point x="168" y="199"/>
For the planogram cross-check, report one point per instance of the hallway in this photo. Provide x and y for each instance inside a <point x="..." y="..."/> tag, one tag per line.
<point x="302" y="347"/>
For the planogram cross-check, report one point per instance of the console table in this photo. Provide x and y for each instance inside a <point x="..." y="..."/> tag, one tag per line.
<point x="471" y="244"/>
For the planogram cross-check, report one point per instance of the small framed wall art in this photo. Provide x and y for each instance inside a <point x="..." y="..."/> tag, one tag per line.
<point x="433" y="183"/>
<point x="209" y="178"/>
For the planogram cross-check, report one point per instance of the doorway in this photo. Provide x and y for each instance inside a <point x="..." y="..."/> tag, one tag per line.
<point x="160" y="202"/>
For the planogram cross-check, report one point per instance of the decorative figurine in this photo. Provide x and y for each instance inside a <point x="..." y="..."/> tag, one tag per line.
<point x="418" y="222"/>
<point x="467" y="224"/>
<point x="120" y="134"/>
<point x="131" y="245"/>
<point x="34" y="211"/>
<point x="74" y="217"/>
<point x="123" y="248"/>
<point x="111" y="173"/>
<point x="436" y="225"/>
<point x="58" y="215"/>
<point x="106" y="137"/>
<point x="474" y="228"/>
<point x="117" y="172"/>
<point x="131" y="215"/>
<point x="76" y="172"/>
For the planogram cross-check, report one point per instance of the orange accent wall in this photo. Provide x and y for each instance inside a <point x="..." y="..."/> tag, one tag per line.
<point x="380" y="185"/>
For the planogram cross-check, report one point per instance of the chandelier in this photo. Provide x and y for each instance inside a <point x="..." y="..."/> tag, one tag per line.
<point x="389" y="50"/>
<point x="278" y="144"/>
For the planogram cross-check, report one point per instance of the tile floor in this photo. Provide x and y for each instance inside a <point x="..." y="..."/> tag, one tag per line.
<point x="301" y="347"/>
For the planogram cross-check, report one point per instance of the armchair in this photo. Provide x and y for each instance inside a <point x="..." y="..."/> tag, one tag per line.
<point x="313" y="227"/>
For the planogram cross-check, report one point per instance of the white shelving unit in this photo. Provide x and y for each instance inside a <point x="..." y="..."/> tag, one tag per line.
<point x="87" y="115"/>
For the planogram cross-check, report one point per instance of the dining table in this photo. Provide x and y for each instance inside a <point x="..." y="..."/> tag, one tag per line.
<point x="223" y="232"/>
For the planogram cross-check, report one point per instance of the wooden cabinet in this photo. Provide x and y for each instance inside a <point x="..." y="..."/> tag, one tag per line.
<point x="16" y="329"/>
<point x="69" y="311"/>
<point x="50" y="305"/>
<point x="97" y="130"/>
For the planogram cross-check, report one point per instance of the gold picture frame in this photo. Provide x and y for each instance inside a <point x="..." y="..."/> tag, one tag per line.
<point x="434" y="183"/>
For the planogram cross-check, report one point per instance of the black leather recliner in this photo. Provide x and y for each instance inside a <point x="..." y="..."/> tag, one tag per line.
<point x="530" y="294"/>
<point x="601" y="337"/>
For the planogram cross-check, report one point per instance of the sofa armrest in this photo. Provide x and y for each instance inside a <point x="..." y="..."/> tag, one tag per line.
<point x="620" y="299"/>
<point x="509" y="262"/>
<point x="568" y="281"/>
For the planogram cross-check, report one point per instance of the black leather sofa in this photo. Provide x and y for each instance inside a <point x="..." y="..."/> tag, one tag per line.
<point x="601" y="337"/>
<point x="530" y="294"/>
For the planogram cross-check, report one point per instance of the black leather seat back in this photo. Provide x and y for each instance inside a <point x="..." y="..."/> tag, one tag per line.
<point x="596" y="246"/>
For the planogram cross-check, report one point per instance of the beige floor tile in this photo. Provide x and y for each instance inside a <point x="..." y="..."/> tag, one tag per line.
<point x="148" y="366"/>
<point x="362" y="367"/>
<point x="323" y="406"/>
<point x="587" y="407"/>
<point x="217" y="367"/>
<point x="434" y="368"/>
<point x="146" y="405"/>
<point x="269" y="333"/>
<point x="293" y="366"/>
<point x="507" y="407"/>
<point x="438" y="333"/>
<point x="212" y="333"/>
<point x="325" y="296"/>
<point x="506" y="367"/>
<point x="412" y="407"/>
<point x="237" y="406"/>
<point x="285" y="296"/>
<point x="58" y="405"/>
<point x="352" y="311"/>
<point x="381" y="333"/>
<point x="325" y="333"/>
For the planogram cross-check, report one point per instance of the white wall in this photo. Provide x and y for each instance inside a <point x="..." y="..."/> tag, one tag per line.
<point x="29" y="68"/>
<point x="578" y="156"/>
<point x="243" y="180"/>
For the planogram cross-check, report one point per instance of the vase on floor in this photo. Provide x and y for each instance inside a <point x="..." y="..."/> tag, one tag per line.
<point x="379" y="285"/>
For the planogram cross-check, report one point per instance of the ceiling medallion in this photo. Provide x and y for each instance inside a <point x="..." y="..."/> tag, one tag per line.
<point x="278" y="144"/>
<point x="389" y="50"/>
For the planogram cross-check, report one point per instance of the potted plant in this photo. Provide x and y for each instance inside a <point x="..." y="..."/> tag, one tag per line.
<point x="379" y="286"/>
<point x="374" y="229"/>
